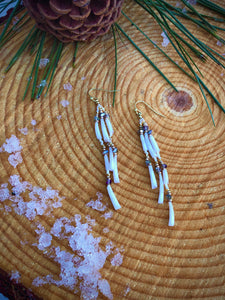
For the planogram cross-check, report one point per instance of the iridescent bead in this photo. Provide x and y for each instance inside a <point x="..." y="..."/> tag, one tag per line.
<point x="145" y="128"/>
<point x="168" y="196"/>
<point x="101" y="115"/>
<point x="150" y="132"/>
<point x="115" y="150"/>
<point x="96" y="118"/>
<point x="108" y="181"/>
<point x="147" y="162"/>
<point x="105" y="152"/>
<point x="157" y="169"/>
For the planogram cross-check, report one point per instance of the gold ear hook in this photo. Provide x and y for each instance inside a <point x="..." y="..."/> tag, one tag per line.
<point x="95" y="89"/>
<point x="138" y="112"/>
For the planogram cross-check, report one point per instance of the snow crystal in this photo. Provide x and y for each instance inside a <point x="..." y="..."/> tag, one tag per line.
<point x="97" y="205"/>
<point x="43" y="62"/>
<point x="219" y="43"/>
<point x="83" y="265"/>
<point x="40" y="201"/>
<point x="4" y="192"/>
<point x="104" y="287"/>
<point x="15" y="276"/>
<point x="117" y="259"/>
<point x="106" y="230"/>
<point x="33" y="122"/>
<point x="12" y="145"/>
<point x="90" y="221"/>
<point x="67" y="86"/>
<point x="127" y="290"/>
<point x="45" y="240"/>
<point x="24" y="130"/>
<point x="165" y="39"/>
<point x="15" y="20"/>
<point x="81" y="261"/>
<point x="15" y="159"/>
<point x="83" y="78"/>
<point x="65" y="103"/>
<point x="108" y="215"/>
<point x="192" y="2"/>
<point x="59" y="117"/>
<point x="8" y="208"/>
<point x="109" y="247"/>
<point x="178" y="4"/>
<point x="42" y="84"/>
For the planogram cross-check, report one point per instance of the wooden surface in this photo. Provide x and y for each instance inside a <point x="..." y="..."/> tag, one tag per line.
<point x="184" y="262"/>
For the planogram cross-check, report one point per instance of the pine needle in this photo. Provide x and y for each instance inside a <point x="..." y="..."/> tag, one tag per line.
<point x="155" y="45"/>
<point x="212" y="6"/>
<point x="75" y="53"/>
<point x="15" y="28"/>
<point x="202" y="91"/>
<point x="28" y="39"/>
<point x="49" y="68"/>
<point x="9" y="20"/>
<point x="58" y="54"/>
<point x="145" y="56"/>
<point x="39" y="53"/>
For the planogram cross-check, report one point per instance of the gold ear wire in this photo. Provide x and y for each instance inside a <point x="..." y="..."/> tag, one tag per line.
<point x="139" y="113"/>
<point x="94" y="99"/>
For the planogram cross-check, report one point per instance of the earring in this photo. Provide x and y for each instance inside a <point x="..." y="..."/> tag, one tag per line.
<point x="109" y="150"/>
<point x="151" y="149"/>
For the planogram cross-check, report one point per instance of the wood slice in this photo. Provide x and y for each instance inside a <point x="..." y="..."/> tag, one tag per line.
<point x="61" y="151"/>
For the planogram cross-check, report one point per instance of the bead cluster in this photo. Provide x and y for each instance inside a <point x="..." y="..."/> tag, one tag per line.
<point x="151" y="149"/>
<point x="109" y="151"/>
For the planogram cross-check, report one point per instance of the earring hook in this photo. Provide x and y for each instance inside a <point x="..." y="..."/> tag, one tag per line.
<point x="139" y="113"/>
<point x="94" y="99"/>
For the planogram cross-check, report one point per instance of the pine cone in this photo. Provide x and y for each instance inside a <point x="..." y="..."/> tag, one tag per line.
<point x="74" y="20"/>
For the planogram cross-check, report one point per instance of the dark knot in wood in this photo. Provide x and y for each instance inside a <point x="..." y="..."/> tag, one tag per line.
<point x="179" y="101"/>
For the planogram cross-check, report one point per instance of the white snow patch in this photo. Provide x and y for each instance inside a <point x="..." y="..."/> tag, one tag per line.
<point x="97" y="205"/>
<point x="67" y="86"/>
<point x="42" y="83"/>
<point x="12" y="146"/>
<point x="45" y="240"/>
<point x="15" y="159"/>
<point x="192" y="2"/>
<point x="33" y="122"/>
<point x="127" y="290"/>
<point x="166" y="41"/>
<point x="106" y="230"/>
<point x="65" y="103"/>
<point x="117" y="260"/>
<point x="40" y="201"/>
<point x="24" y="130"/>
<point x="81" y="266"/>
<point x="108" y="215"/>
<point x="15" y="276"/>
<point x="43" y="62"/>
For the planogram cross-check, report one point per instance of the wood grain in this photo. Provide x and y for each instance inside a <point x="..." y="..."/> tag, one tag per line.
<point x="184" y="262"/>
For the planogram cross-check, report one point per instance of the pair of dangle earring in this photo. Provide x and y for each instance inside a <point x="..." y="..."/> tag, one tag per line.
<point x="104" y="134"/>
<point x="151" y="149"/>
